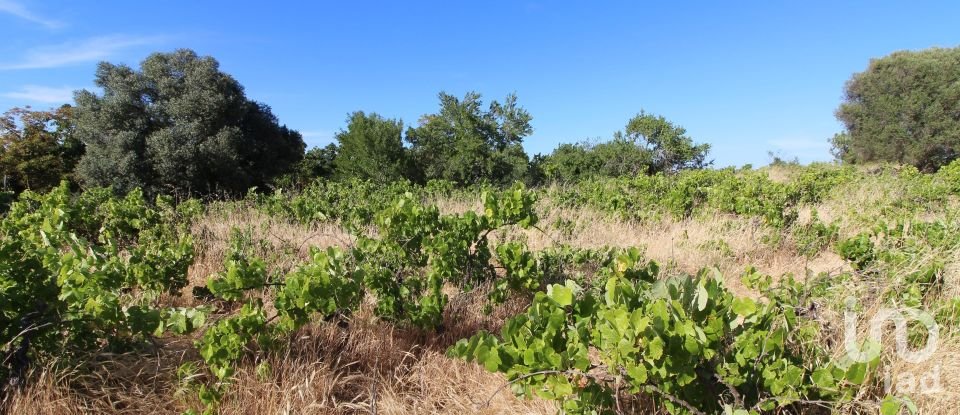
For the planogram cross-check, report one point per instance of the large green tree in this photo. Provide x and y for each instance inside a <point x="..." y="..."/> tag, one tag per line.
<point x="903" y="108"/>
<point x="37" y="148"/>
<point x="617" y="157"/>
<point x="466" y="143"/>
<point x="319" y="162"/>
<point x="371" y="148"/>
<point x="569" y="162"/>
<point x="670" y="147"/>
<point x="650" y="144"/>
<point x="179" y="124"/>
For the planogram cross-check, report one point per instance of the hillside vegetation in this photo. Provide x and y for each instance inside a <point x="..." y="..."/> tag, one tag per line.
<point x="705" y="291"/>
<point x="167" y="245"/>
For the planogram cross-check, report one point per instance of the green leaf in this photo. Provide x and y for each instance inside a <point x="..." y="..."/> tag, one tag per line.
<point x="637" y="373"/>
<point x="655" y="348"/>
<point x="856" y="373"/>
<point x="743" y="306"/>
<point x="561" y="294"/>
<point x="702" y="297"/>
<point x="890" y="406"/>
<point x="823" y="378"/>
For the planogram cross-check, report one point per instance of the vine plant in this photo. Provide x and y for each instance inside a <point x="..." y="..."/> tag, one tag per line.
<point x="414" y="252"/>
<point x="686" y="342"/>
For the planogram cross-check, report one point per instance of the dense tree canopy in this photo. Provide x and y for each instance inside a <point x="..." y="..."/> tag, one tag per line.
<point x="670" y="147"/>
<point x="569" y="161"/>
<point x="468" y="144"/>
<point x="37" y="148"/>
<point x="650" y="144"/>
<point x="903" y="108"/>
<point x="319" y="162"/>
<point x="371" y="148"/>
<point x="179" y="124"/>
<point x="617" y="157"/>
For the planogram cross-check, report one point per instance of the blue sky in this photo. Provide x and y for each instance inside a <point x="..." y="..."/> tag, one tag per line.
<point x="747" y="77"/>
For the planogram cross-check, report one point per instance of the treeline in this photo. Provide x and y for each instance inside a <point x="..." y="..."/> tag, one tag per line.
<point x="466" y="144"/>
<point x="178" y="124"/>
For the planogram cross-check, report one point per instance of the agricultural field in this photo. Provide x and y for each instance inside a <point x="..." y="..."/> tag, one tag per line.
<point x="787" y="289"/>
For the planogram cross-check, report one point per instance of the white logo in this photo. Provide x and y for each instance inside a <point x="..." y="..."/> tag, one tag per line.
<point x="867" y="351"/>
<point x="899" y="317"/>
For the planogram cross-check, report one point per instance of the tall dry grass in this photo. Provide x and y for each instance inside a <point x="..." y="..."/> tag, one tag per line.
<point x="372" y="366"/>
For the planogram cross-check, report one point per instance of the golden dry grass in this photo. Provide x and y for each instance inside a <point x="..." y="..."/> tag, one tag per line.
<point x="326" y="368"/>
<point x="375" y="366"/>
<point x="726" y="242"/>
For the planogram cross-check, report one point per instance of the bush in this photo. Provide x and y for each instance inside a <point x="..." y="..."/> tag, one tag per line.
<point x="902" y="109"/>
<point x="179" y="124"/>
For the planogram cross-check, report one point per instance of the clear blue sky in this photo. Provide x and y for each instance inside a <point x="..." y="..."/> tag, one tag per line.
<point x="747" y="77"/>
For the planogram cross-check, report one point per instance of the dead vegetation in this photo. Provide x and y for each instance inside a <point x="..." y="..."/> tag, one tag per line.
<point x="371" y="366"/>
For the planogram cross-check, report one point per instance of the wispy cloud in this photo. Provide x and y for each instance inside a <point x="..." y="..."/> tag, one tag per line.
<point x="73" y="52"/>
<point x="45" y="94"/>
<point x="19" y="10"/>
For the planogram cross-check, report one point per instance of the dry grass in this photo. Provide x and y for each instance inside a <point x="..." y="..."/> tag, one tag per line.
<point x="333" y="369"/>
<point x="327" y="368"/>
<point x="372" y="364"/>
<point x="726" y="242"/>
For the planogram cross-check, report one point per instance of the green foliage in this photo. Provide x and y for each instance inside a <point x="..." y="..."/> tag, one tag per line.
<point x="466" y="144"/>
<point x="950" y="176"/>
<point x="226" y="341"/>
<point x="325" y="285"/>
<point x="649" y="145"/>
<point x="614" y="158"/>
<point x="37" y="148"/>
<point x="418" y="250"/>
<point x="570" y="162"/>
<point x="317" y="163"/>
<point x="748" y="193"/>
<point x="179" y="124"/>
<point x="81" y="274"/>
<point x="858" y="250"/>
<point x="672" y="150"/>
<point x="242" y="272"/>
<point x="354" y="203"/>
<point x="371" y="148"/>
<point x="403" y="266"/>
<point x="908" y="255"/>
<point x="813" y="237"/>
<point x="687" y="342"/>
<point x="902" y="109"/>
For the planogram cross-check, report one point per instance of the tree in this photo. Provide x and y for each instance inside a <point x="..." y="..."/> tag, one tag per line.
<point x="649" y="145"/>
<point x="672" y="150"/>
<point x="571" y="162"/>
<point x="37" y="148"/>
<point x="903" y="108"/>
<point x="840" y="147"/>
<point x="467" y="144"/>
<point x="371" y="148"/>
<point x="536" y="175"/>
<point x="317" y="163"/>
<point x="179" y="124"/>
<point x="614" y="158"/>
<point x="320" y="161"/>
<point x="622" y="157"/>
